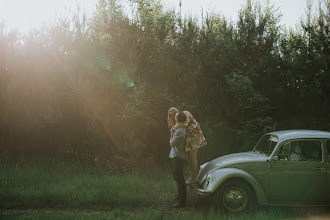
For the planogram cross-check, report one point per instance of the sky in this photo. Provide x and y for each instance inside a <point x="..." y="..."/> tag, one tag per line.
<point x="26" y="14"/>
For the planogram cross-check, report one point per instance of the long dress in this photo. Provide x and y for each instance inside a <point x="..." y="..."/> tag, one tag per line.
<point x="195" y="138"/>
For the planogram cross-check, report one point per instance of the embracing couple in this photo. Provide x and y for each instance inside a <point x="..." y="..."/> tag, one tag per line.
<point x="186" y="138"/>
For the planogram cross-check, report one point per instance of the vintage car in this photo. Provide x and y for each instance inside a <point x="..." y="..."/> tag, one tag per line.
<point x="290" y="167"/>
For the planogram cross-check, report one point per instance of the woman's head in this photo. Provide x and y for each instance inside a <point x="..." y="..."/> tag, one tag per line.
<point x="172" y="111"/>
<point x="171" y="116"/>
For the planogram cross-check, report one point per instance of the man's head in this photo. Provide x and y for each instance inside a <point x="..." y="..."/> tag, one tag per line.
<point x="180" y="117"/>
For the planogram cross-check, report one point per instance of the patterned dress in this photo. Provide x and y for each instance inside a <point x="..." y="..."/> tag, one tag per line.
<point x="195" y="138"/>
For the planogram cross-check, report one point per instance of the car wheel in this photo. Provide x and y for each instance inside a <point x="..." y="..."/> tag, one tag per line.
<point x="235" y="196"/>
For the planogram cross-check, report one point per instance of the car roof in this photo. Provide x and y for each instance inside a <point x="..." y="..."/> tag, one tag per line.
<point x="296" y="134"/>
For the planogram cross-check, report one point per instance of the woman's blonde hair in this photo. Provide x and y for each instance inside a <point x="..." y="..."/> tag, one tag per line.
<point x="170" y="119"/>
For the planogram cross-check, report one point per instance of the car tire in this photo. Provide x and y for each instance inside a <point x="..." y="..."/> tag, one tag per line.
<point x="235" y="196"/>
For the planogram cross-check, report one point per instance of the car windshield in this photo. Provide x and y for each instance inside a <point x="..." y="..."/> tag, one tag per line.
<point x="266" y="144"/>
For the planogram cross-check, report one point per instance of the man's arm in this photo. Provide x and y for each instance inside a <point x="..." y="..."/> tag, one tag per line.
<point x="178" y="135"/>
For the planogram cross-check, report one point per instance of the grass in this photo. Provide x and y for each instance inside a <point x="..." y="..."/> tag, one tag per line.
<point x="74" y="184"/>
<point x="75" y="189"/>
<point x="147" y="213"/>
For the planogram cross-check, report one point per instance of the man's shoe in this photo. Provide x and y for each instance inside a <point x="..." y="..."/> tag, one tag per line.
<point x="179" y="205"/>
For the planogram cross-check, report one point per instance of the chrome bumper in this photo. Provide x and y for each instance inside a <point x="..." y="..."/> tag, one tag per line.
<point x="200" y="191"/>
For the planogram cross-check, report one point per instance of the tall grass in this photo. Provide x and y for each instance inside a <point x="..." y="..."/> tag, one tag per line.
<point x="77" y="184"/>
<point x="145" y="214"/>
<point x="43" y="188"/>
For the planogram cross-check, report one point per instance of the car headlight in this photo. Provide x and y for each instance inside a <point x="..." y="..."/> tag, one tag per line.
<point x="202" y="166"/>
<point x="208" y="178"/>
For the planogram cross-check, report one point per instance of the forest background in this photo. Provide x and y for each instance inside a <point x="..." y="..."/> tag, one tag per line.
<point x="100" y="87"/>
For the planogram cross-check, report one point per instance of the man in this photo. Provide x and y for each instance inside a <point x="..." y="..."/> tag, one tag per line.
<point x="177" y="155"/>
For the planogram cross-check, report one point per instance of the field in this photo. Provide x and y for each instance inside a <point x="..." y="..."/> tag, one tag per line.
<point x="40" y="188"/>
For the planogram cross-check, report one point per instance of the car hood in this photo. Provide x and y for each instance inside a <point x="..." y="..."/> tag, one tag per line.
<point x="231" y="160"/>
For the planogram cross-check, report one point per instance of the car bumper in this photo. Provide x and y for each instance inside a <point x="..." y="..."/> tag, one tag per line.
<point x="199" y="190"/>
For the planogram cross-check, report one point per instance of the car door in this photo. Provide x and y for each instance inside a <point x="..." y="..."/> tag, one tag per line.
<point x="327" y="158"/>
<point x="300" y="180"/>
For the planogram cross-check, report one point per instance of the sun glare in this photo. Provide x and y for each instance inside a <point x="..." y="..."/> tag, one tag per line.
<point x="26" y="14"/>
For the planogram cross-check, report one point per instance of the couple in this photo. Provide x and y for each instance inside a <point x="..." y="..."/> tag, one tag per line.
<point x="186" y="138"/>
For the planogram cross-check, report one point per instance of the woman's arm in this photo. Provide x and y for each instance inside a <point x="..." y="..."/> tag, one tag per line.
<point x="171" y="137"/>
<point x="187" y="117"/>
<point x="176" y="126"/>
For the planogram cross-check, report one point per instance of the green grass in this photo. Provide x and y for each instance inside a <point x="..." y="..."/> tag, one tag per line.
<point x="74" y="184"/>
<point x="147" y="213"/>
<point x="77" y="189"/>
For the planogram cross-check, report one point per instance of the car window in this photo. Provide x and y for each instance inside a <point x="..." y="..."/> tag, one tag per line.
<point x="266" y="144"/>
<point x="284" y="151"/>
<point x="328" y="150"/>
<point x="301" y="150"/>
<point x="306" y="150"/>
<point x="313" y="151"/>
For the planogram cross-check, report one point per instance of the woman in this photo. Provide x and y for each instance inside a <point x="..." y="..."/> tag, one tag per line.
<point x="195" y="139"/>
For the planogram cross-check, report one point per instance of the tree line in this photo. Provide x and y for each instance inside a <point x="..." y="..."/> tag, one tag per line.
<point x="101" y="86"/>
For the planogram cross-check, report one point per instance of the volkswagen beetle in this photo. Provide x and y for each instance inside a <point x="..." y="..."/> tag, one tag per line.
<point x="290" y="167"/>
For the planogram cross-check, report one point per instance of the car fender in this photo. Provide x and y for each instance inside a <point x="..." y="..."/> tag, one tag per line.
<point x="217" y="177"/>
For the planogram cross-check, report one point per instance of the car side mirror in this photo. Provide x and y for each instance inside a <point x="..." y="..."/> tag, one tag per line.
<point x="275" y="158"/>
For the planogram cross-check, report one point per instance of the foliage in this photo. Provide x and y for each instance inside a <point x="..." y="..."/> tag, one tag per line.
<point x="102" y="86"/>
<point x="305" y="61"/>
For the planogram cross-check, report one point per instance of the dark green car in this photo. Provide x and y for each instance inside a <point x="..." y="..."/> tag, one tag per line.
<point x="289" y="167"/>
